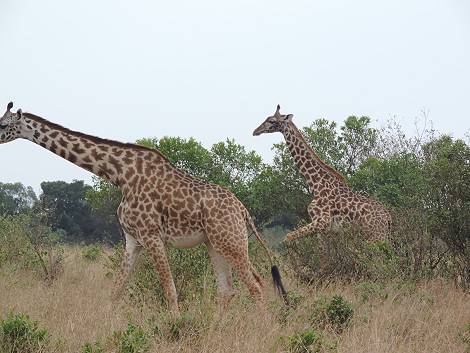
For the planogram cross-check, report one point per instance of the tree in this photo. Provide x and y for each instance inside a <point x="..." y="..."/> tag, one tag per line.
<point x="447" y="197"/>
<point x="397" y="181"/>
<point x="15" y="198"/>
<point x="68" y="209"/>
<point x="322" y="135"/>
<point x="358" y="141"/>
<point x="103" y="198"/>
<point x="187" y="154"/>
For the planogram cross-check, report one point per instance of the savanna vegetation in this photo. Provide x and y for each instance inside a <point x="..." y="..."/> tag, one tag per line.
<point x="410" y="293"/>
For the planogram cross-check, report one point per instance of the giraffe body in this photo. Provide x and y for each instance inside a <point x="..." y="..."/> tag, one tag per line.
<point x="161" y="204"/>
<point x="334" y="205"/>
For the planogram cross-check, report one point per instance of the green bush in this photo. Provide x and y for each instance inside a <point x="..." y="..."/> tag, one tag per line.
<point x="334" y="312"/>
<point x="92" y="252"/>
<point x="19" y="334"/>
<point x="307" y="341"/>
<point x="28" y="244"/>
<point x="133" y="340"/>
<point x="15" y="247"/>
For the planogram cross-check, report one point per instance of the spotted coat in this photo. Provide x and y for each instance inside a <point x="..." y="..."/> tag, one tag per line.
<point x="161" y="204"/>
<point x="334" y="204"/>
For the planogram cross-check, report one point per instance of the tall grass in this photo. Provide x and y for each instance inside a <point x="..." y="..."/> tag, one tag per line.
<point x="76" y="309"/>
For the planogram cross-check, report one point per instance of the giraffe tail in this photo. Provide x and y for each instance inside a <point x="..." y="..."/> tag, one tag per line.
<point x="276" y="275"/>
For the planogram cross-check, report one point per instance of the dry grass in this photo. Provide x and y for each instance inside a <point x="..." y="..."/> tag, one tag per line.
<point x="77" y="309"/>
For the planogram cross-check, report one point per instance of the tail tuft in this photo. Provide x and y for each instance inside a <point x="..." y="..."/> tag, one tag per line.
<point x="278" y="284"/>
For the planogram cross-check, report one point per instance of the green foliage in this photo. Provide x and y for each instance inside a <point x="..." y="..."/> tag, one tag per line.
<point x="306" y="341"/>
<point x="15" y="198"/>
<point x="103" y="198"/>
<point x="19" y="334"/>
<point x="334" y="312"/>
<point x="398" y="181"/>
<point x="187" y="154"/>
<point x="92" y="252"/>
<point x="68" y="210"/>
<point x="14" y="244"/>
<point x="25" y="242"/>
<point x="447" y="198"/>
<point x="288" y="195"/>
<point x="358" y="141"/>
<point x="133" y="340"/>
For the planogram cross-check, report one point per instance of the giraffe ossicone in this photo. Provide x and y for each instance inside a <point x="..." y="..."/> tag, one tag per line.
<point x="334" y="204"/>
<point x="161" y="204"/>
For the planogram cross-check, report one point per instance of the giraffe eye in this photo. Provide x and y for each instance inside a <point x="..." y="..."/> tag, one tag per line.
<point x="3" y="126"/>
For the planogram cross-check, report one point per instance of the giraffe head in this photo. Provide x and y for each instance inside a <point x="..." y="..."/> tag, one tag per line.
<point x="273" y="123"/>
<point x="12" y="125"/>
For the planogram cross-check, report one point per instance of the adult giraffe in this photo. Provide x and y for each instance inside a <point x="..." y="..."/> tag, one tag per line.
<point x="334" y="203"/>
<point x="161" y="204"/>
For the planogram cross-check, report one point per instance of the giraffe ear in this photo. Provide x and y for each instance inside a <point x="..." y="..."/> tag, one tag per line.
<point x="288" y="117"/>
<point x="277" y="110"/>
<point x="19" y="114"/>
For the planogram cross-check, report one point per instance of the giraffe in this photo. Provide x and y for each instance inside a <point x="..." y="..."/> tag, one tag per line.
<point x="161" y="206"/>
<point x="334" y="204"/>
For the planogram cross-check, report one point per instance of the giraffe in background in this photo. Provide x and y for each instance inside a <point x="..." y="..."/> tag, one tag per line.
<point x="334" y="203"/>
<point x="161" y="205"/>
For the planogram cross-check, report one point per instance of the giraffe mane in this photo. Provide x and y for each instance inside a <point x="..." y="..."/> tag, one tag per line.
<point x="94" y="138"/>
<point x="329" y="169"/>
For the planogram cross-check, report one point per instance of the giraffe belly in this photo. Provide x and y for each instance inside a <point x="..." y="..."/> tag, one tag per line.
<point x="185" y="241"/>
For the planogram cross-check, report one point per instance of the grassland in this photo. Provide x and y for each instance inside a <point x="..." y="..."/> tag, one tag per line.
<point x="397" y="317"/>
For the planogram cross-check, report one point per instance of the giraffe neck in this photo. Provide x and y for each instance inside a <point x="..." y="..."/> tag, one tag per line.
<point x="119" y="163"/>
<point x="310" y="165"/>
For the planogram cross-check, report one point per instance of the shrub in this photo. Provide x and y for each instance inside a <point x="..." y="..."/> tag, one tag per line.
<point x="28" y="244"/>
<point x="133" y="340"/>
<point x="19" y="334"/>
<point x="307" y="341"/>
<point x="15" y="248"/>
<point x="92" y="252"/>
<point x="345" y="254"/>
<point x="334" y="312"/>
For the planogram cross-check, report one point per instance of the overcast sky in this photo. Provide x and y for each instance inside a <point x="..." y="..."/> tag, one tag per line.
<point x="215" y="69"/>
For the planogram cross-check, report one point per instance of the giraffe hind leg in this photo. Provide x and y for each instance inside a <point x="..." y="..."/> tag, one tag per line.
<point x="223" y="273"/>
<point x="237" y="257"/>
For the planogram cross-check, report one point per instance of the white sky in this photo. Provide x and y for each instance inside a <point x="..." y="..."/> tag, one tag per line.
<point x="215" y="69"/>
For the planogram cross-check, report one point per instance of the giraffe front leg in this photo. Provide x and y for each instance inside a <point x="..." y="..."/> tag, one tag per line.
<point x="316" y="226"/>
<point x="156" y="248"/>
<point x="131" y="252"/>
